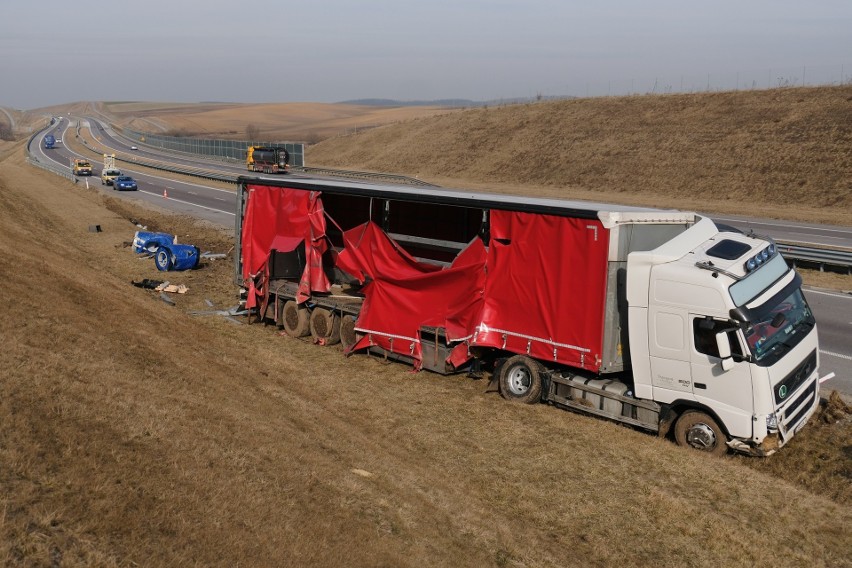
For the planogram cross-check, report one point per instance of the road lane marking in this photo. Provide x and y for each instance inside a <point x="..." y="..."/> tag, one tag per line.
<point x="844" y="295"/>
<point x="190" y="203"/>
<point x="840" y="355"/>
<point x="745" y="221"/>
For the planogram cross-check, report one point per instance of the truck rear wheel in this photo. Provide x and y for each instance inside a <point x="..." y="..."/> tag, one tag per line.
<point x="695" y="429"/>
<point x="325" y="326"/>
<point x="520" y="379"/>
<point x="296" y="319"/>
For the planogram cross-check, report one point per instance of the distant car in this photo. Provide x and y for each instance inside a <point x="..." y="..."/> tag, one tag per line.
<point x="124" y="183"/>
<point x="108" y="176"/>
<point x="134" y="148"/>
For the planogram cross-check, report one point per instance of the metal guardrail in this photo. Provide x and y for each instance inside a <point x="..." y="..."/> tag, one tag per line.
<point x="232" y="178"/>
<point x="822" y="257"/>
<point x="229" y="178"/>
<point x="58" y="170"/>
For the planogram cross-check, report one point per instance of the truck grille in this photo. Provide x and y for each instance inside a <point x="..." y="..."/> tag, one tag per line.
<point x="794" y="380"/>
<point x="797" y="408"/>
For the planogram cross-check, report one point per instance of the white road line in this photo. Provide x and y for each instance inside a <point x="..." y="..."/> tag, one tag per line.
<point x="189" y="203"/>
<point x="832" y="294"/>
<point x="783" y="225"/>
<point x="840" y="355"/>
<point x="798" y="242"/>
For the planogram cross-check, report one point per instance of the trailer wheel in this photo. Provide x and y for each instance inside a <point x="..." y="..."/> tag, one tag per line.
<point x="325" y="326"/>
<point x="296" y="320"/>
<point x="348" y="335"/>
<point x="520" y="379"/>
<point x="695" y="429"/>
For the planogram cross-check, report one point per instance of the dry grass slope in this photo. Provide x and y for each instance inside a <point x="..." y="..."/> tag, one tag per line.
<point x="134" y="434"/>
<point x="274" y="121"/>
<point x="785" y="152"/>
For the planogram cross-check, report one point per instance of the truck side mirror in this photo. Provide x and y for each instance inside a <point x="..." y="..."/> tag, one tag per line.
<point x="724" y="346"/>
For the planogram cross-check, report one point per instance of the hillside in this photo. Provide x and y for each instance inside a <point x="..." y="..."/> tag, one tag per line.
<point x="133" y="433"/>
<point x="275" y="121"/>
<point x="785" y="153"/>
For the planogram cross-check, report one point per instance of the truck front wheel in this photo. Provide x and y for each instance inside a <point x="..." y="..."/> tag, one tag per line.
<point x="520" y="379"/>
<point x="697" y="430"/>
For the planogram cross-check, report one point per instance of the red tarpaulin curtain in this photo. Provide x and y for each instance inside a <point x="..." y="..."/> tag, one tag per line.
<point x="540" y="289"/>
<point x="404" y="294"/>
<point x="546" y="287"/>
<point x="282" y="215"/>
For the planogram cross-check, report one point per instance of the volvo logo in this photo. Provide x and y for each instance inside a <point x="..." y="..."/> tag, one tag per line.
<point x="782" y="392"/>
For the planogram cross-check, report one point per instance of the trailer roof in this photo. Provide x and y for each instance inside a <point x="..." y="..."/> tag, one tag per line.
<point x="608" y="213"/>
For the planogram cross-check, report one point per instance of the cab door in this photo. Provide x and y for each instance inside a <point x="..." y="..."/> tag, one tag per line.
<point x="727" y="393"/>
<point x="669" y="349"/>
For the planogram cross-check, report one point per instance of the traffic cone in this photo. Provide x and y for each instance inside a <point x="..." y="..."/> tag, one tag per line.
<point x="165" y="194"/>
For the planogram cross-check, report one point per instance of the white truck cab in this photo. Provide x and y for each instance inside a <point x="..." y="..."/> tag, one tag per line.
<point x="722" y="337"/>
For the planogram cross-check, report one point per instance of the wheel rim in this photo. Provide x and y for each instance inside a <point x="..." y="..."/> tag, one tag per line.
<point x="163" y="260"/>
<point x="519" y="380"/>
<point x="702" y="437"/>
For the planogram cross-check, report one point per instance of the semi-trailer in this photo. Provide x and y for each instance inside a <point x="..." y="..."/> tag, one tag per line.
<point x="653" y="318"/>
<point x="268" y="160"/>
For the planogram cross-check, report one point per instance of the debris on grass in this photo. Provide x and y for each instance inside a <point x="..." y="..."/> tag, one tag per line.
<point x="148" y="242"/>
<point x="160" y="286"/>
<point x="147" y="283"/>
<point x="235" y="311"/>
<point x="834" y="409"/>
<point x="166" y="287"/>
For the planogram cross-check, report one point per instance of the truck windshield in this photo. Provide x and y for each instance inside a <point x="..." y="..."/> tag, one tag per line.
<point x="780" y="328"/>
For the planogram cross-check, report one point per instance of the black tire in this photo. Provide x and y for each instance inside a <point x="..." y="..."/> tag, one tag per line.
<point x="163" y="259"/>
<point x="348" y="335"/>
<point x="325" y="326"/>
<point x="296" y="319"/>
<point x="520" y="379"/>
<point x="695" y="429"/>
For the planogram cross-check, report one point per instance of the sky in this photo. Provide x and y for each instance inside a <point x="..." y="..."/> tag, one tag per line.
<point x="55" y="52"/>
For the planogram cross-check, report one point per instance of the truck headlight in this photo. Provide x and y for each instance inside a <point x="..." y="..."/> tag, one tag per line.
<point x="772" y="423"/>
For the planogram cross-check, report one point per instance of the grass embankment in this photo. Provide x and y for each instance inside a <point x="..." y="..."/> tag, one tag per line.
<point x="133" y="433"/>
<point x="783" y="153"/>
